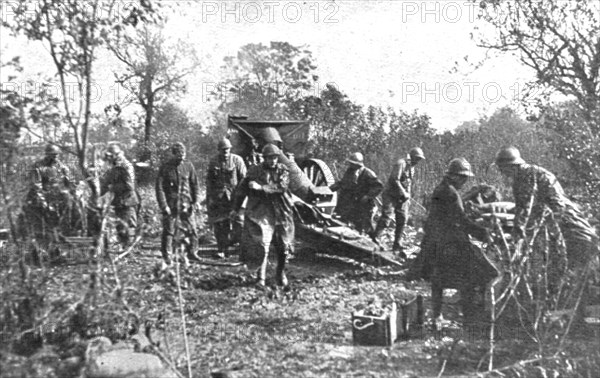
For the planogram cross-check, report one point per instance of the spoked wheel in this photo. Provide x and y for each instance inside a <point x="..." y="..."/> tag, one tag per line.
<point x="317" y="172"/>
<point x="321" y="176"/>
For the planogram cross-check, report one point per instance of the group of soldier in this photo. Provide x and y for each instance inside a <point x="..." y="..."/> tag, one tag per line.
<point x="263" y="190"/>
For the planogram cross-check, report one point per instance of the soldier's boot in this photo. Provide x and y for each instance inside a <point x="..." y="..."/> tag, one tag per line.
<point x="397" y="246"/>
<point x="262" y="270"/>
<point x="192" y="249"/>
<point x="280" y="276"/>
<point x="222" y="235"/>
<point x="437" y="293"/>
<point x="166" y="248"/>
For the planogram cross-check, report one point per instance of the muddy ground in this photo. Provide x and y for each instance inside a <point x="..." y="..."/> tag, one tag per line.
<point x="305" y="331"/>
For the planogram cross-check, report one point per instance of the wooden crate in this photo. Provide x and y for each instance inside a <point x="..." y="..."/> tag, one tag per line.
<point x="372" y="330"/>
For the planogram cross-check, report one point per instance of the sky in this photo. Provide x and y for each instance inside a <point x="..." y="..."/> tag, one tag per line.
<point x="411" y="55"/>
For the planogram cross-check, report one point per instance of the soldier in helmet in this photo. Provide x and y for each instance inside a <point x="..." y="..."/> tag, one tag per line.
<point x="359" y="187"/>
<point x="396" y="196"/>
<point x="535" y="189"/>
<point x="269" y="214"/>
<point x="225" y="172"/>
<point x="120" y="181"/>
<point x="177" y="192"/>
<point x="48" y="202"/>
<point x="448" y="258"/>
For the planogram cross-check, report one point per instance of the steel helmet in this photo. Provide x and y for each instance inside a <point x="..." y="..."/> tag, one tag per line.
<point x="52" y="149"/>
<point x="356" y="158"/>
<point x="270" y="150"/>
<point x="459" y="166"/>
<point x="113" y="150"/>
<point x="416" y="153"/>
<point x="508" y="156"/>
<point x="224" y="143"/>
<point x="178" y="147"/>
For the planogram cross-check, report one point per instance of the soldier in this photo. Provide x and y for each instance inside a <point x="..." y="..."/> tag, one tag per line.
<point x="225" y="172"/>
<point x="396" y="196"/>
<point x="359" y="187"/>
<point x="448" y="258"/>
<point x="48" y="202"/>
<point x="269" y="213"/>
<point x="177" y="195"/>
<point x="120" y="181"/>
<point x="536" y="189"/>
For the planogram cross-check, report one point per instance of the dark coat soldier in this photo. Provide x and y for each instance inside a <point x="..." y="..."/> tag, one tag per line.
<point x="396" y="196"/>
<point x="225" y="172"/>
<point x="120" y="181"/>
<point x="48" y="202"/>
<point x="177" y="192"/>
<point x="269" y="214"/>
<point x="448" y="258"/>
<point x="359" y="188"/>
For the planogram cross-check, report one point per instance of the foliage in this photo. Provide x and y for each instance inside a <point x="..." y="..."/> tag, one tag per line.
<point x="173" y="124"/>
<point x="155" y="67"/>
<point x="73" y="31"/>
<point x="263" y="80"/>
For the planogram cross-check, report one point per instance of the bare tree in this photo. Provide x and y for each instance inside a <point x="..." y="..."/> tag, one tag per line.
<point x="72" y="32"/>
<point x="559" y="40"/>
<point x="155" y="67"/>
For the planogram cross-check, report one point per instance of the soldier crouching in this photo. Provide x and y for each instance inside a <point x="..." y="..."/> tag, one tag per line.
<point x="177" y="195"/>
<point x="269" y="214"/>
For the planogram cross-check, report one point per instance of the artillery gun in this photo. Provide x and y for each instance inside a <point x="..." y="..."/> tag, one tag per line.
<point x="310" y="179"/>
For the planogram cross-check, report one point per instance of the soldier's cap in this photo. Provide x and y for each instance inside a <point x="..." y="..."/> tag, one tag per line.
<point x="508" y="155"/>
<point x="52" y="149"/>
<point x="460" y="167"/>
<point x="356" y="158"/>
<point x="271" y="150"/>
<point x="178" y="147"/>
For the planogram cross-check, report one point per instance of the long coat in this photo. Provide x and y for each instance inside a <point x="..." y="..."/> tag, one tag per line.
<point x="446" y="244"/>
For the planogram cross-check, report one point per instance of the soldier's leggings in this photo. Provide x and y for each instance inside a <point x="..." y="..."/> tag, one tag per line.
<point x="126" y="223"/>
<point x="391" y="206"/>
<point x="187" y="229"/>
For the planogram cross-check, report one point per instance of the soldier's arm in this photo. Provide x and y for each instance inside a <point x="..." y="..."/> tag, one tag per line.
<point x="456" y="208"/>
<point x="242" y="190"/>
<point x="524" y="191"/>
<point x="375" y="185"/>
<point x="241" y="169"/>
<point x="160" y="193"/>
<point x="397" y="176"/>
<point x="194" y="185"/>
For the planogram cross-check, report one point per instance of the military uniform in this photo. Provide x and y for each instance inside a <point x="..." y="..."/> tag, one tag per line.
<point x="120" y="180"/>
<point x="223" y="176"/>
<point x="48" y="204"/>
<point x="448" y="258"/>
<point x="358" y="189"/>
<point x="268" y="217"/>
<point x="177" y="189"/>
<point x="535" y="189"/>
<point x="396" y="198"/>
